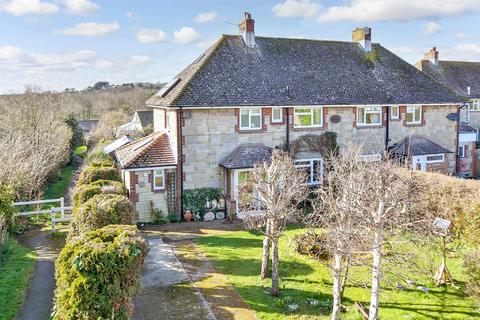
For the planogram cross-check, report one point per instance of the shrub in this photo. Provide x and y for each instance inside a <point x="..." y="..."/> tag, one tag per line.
<point x="195" y="199"/>
<point x="312" y="244"/>
<point x="471" y="266"/>
<point x="98" y="274"/>
<point x="173" y="218"/>
<point x="80" y="151"/>
<point x="6" y="212"/>
<point x="97" y="154"/>
<point x="86" y="191"/>
<point x="101" y="210"/>
<point x="92" y="174"/>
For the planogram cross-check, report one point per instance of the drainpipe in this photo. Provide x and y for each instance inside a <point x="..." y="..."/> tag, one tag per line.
<point x="457" y="159"/>
<point x="287" y="137"/>
<point x="180" y="157"/>
<point x="387" y="129"/>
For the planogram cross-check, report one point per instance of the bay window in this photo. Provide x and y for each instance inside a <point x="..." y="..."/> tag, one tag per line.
<point x="158" y="179"/>
<point x="251" y="119"/>
<point x="313" y="169"/>
<point x="369" y="116"/>
<point x="413" y="115"/>
<point x="308" y="117"/>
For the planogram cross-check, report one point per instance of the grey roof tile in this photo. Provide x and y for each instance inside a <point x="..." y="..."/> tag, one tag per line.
<point x="417" y="145"/>
<point x="246" y="156"/>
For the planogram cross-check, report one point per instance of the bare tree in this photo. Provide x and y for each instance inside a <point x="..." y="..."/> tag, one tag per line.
<point x="269" y="199"/>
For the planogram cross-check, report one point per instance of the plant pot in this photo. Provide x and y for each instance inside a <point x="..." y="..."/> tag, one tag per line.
<point x="187" y="216"/>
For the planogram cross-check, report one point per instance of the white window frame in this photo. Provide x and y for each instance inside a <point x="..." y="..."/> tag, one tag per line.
<point x="461" y="154"/>
<point x="250" y="115"/>
<point x="363" y="122"/>
<point x="312" y="179"/>
<point x="411" y="109"/>
<point x="310" y="113"/>
<point x="475" y="105"/>
<point x="434" y="155"/>
<point x="158" y="173"/>
<point x="397" y="115"/>
<point x="277" y="120"/>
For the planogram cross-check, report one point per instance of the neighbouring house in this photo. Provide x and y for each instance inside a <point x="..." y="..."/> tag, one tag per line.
<point x="142" y="123"/>
<point x="246" y="95"/>
<point x="118" y="143"/>
<point x="87" y="127"/>
<point x="464" y="78"/>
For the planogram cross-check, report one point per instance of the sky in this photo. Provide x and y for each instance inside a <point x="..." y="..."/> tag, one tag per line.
<point x="58" y="44"/>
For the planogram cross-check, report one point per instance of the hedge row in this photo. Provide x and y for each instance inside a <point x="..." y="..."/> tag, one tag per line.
<point x="98" y="274"/>
<point x="86" y="191"/>
<point x="95" y="173"/>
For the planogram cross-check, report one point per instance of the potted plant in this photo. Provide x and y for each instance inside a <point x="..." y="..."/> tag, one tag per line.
<point x="188" y="215"/>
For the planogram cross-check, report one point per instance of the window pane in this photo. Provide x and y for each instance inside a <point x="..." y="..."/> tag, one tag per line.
<point x="303" y="120"/>
<point x="360" y="115"/>
<point x="277" y="114"/>
<point x="255" y="111"/>
<point x="317" y="170"/>
<point x="244" y="121"/>
<point x="256" y="119"/>
<point x="417" y="114"/>
<point x="394" y="112"/>
<point x="373" y="118"/>
<point x="317" y="116"/>
<point x="435" y="158"/>
<point x="242" y="177"/>
<point x="302" y="110"/>
<point x="409" y="117"/>
<point x="158" y="181"/>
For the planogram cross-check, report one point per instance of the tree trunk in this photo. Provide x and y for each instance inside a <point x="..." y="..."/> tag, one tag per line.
<point x="266" y="254"/>
<point x="346" y="267"/>
<point x="337" y="286"/>
<point x="275" y="267"/>
<point x="377" y="260"/>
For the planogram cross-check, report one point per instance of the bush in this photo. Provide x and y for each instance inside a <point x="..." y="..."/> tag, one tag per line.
<point x="6" y="212"/>
<point x="471" y="266"/>
<point x="98" y="274"/>
<point x="312" y="244"/>
<point x="85" y="192"/>
<point x="173" y="218"/>
<point x="101" y="210"/>
<point x="92" y="174"/>
<point x="195" y="199"/>
<point x="80" y="151"/>
<point x="97" y="154"/>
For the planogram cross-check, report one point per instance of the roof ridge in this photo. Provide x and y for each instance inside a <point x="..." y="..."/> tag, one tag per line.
<point x="147" y="148"/>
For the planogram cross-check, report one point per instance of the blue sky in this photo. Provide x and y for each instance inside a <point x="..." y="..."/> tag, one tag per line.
<point x="74" y="43"/>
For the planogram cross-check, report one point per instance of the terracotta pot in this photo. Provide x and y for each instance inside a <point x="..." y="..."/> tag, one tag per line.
<point x="187" y="216"/>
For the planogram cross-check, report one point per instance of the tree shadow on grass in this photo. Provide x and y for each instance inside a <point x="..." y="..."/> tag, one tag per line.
<point x="219" y="241"/>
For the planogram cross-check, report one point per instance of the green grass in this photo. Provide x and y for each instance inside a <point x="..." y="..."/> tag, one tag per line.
<point x="237" y="255"/>
<point x="16" y="266"/>
<point x="59" y="186"/>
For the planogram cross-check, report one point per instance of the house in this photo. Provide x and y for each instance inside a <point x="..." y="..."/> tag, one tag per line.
<point x="87" y="126"/>
<point x="464" y="78"/>
<point x="142" y="123"/>
<point x="247" y="94"/>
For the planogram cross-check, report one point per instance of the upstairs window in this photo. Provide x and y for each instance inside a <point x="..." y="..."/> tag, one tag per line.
<point x="277" y="115"/>
<point x="251" y="119"/>
<point x="313" y="169"/>
<point x="475" y="105"/>
<point x="158" y="179"/>
<point x="369" y="116"/>
<point x="308" y="117"/>
<point x="394" y="112"/>
<point x="413" y="115"/>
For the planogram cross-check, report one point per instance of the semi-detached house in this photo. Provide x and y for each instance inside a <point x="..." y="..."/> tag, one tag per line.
<point x="247" y="94"/>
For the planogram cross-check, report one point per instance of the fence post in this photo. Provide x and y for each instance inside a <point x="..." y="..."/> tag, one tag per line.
<point x="52" y="215"/>
<point x="62" y="206"/>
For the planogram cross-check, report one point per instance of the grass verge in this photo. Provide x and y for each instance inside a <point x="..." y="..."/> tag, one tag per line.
<point x="307" y="284"/>
<point x="59" y="186"/>
<point x="16" y="266"/>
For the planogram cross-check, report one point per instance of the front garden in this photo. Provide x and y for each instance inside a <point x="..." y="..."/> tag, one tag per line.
<point x="306" y="287"/>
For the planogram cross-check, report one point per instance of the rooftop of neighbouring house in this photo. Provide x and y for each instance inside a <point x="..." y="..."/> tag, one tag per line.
<point x="283" y="71"/>
<point x="87" y="126"/>
<point x="417" y="145"/>
<point x="145" y="117"/>
<point x="151" y="151"/>
<point x="465" y="127"/>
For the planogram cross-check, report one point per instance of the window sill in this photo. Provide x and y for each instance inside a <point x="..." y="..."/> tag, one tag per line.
<point x="158" y="190"/>
<point x="368" y="126"/>
<point x="250" y="130"/>
<point x="309" y="128"/>
<point x="413" y="124"/>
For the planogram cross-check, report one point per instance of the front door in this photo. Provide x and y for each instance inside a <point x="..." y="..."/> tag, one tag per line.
<point x="419" y="163"/>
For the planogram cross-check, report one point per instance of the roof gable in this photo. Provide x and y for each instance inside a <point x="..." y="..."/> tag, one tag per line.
<point x="280" y="71"/>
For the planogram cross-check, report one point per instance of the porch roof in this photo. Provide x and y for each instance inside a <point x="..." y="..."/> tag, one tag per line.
<point x="417" y="145"/>
<point x="246" y="156"/>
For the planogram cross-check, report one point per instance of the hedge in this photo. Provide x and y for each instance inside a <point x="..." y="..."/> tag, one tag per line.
<point x="92" y="174"/>
<point x="97" y="154"/>
<point x="98" y="274"/>
<point x="195" y="199"/>
<point x="99" y="211"/>
<point x="86" y="191"/>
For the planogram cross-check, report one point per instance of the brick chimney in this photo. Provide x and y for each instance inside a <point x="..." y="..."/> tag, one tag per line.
<point x="247" y="30"/>
<point x="364" y="37"/>
<point x="432" y="55"/>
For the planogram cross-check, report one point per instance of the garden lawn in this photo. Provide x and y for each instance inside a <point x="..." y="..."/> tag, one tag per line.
<point x="16" y="266"/>
<point x="238" y="255"/>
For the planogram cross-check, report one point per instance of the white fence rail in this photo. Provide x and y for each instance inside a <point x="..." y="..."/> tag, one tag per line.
<point x="53" y="211"/>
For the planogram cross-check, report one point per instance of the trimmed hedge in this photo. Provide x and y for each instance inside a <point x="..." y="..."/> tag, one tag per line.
<point x="92" y="174"/>
<point x="85" y="192"/>
<point x="101" y="210"/>
<point x="98" y="274"/>
<point x="194" y="199"/>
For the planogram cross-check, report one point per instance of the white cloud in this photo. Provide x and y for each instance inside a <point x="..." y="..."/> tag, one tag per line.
<point x="9" y="52"/>
<point x="461" y="52"/>
<point x="81" y="7"/>
<point x="139" y="60"/>
<point x="388" y="10"/>
<point x="462" y="36"/>
<point x="23" y="7"/>
<point x="187" y="35"/>
<point x="132" y="15"/>
<point x="431" y="28"/>
<point x="91" y="29"/>
<point x="151" y="35"/>
<point x="206" y="17"/>
<point x="296" y="8"/>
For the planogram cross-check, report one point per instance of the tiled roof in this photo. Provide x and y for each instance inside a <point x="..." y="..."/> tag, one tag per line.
<point x="458" y="75"/>
<point x="246" y="156"/>
<point x="146" y="118"/>
<point x="87" y="126"/>
<point x="464" y="127"/>
<point x="416" y="145"/>
<point x="151" y="151"/>
<point x="283" y="71"/>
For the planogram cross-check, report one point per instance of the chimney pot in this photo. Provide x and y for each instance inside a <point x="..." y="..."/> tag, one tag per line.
<point x="247" y="30"/>
<point x="364" y="37"/>
<point x="432" y="55"/>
